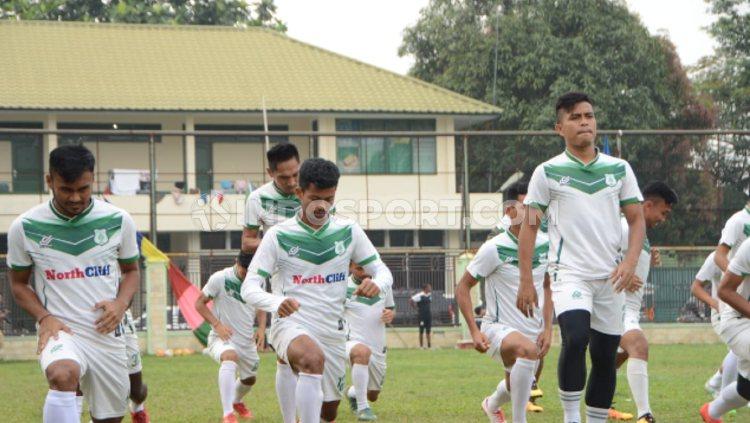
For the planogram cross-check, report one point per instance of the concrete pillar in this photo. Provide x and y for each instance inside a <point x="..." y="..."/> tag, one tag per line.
<point x="50" y="142"/>
<point x="190" y="154"/>
<point x="156" y="305"/>
<point x="194" y="260"/>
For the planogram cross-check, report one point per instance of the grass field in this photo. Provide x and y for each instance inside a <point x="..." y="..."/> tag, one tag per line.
<point x="421" y="386"/>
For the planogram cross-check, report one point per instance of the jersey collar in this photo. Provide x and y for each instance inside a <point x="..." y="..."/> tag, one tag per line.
<point x="309" y="229"/>
<point x="747" y="209"/>
<point x="579" y="162"/>
<point x="282" y="193"/>
<point x="75" y="218"/>
<point x="512" y="237"/>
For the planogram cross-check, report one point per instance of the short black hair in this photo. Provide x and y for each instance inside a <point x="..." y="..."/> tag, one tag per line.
<point x="567" y="101"/>
<point x="71" y="161"/>
<point x="320" y="172"/>
<point x="516" y="190"/>
<point x="659" y="189"/>
<point x="280" y="153"/>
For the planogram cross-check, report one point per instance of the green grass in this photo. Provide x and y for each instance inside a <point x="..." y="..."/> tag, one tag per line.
<point x="421" y="386"/>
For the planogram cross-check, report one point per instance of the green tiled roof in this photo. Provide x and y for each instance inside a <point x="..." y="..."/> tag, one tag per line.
<point x="90" y="66"/>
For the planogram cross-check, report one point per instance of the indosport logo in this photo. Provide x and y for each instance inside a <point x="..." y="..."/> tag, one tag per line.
<point x="319" y="279"/>
<point x="78" y="273"/>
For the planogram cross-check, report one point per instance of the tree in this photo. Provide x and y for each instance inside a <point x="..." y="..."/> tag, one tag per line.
<point x="545" y="48"/>
<point x="199" y="12"/>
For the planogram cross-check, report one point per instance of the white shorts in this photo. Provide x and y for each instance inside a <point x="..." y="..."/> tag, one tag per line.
<point x="496" y="332"/>
<point x="716" y="323"/>
<point x="133" y="352"/>
<point x="376" y="366"/>
<point x="598" y="297"/>
<point x="284" y="331"/>
<point x="631" y="320"/>
<point x="104" y="372"/>
<point x="247" y="354"/>
<point x="735" y="332"/>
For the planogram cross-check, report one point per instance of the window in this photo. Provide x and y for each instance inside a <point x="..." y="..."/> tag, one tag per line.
<point x="235" y="240"/>
<point x="431" y="238"/>
<point x="3" y="244"/>
<point x="213" y="240"/>
<point x="377" y="238"/>
<point x="164" y="241"/>
<point x="81" y="138"/>
<point x="401" y="238"/>
<point x="386" y="155"/>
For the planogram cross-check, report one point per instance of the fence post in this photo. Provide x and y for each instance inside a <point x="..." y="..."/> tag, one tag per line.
<point x="156" y="305"/>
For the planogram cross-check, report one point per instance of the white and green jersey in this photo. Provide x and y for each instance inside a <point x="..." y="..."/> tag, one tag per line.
<point x="710" y="272"/>
<point x="582" y="203"/>
<point x="224" y="287"/>
<point x="75" y="260"/>
<point x="268" y="206"/>
<point x="497" y="262"/>
<point x="363" y="317"/>
<point x="740" y="265"/>
<point x="644" y="259"/>
<point x="312" y="266"/>
<point x="736" y="230"/>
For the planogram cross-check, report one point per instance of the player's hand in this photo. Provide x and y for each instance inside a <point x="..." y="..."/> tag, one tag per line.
<point x="544" y="342"/>
<point x="112" y="313"/>
<point x="367" y="288"/>
<point x="224" y="331"/>
<point x="622" y="275"/>
<point x="526" y="300"/>
<point x="635" y="284"/>
<point x="260" y="339"/>
<point x="288" y="307"/>
<point x="655" y="257"/>
<point x="387" y="316"/>
<point x="481" y="343"/>
<point x="49" y="328"/>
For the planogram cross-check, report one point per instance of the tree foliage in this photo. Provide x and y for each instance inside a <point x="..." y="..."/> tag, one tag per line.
<point x="545" y="48"/>
<point x="200" y="12"/>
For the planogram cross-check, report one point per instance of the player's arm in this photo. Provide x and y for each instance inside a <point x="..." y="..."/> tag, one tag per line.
<point x="201" y="306"/>
<point x="721" y="257"/>
<point x="728" y="240"/>
<point x="728" y="293"/>
<point x="623" y="274"/>
<point x="250" y="231"/>
<point x="537" y="200"/>
<point x="113" y="311"/>
<point x="260" y="333"/>
<point x="365" y="255"/>
<point x="698" y="290"/>
<point x="463" y="298"/>
<point x="545" y="339"/>
<point x="389" y="312"/>
<point x="260" y="268"/>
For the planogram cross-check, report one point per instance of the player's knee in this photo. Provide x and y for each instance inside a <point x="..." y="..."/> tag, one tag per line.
<point x="63" y="375"/>
<point x="229" y="355"/>
<point x="372" y="395"/>
<point x="528" y="351"/>
<point x="639" y="349"/>
<point x="575" y="330"/>
<point x="250" y="381"/>
<point x="311" y="362"/>
<point x="360" y="355"/>
<point x="743" y="387"/>
<point x="329" y="410"/>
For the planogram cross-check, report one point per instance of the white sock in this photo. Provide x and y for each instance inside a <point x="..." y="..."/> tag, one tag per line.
<point x="521" y="378"/>
<point x="499" y="397"/>
<point x="728" y="399"/>
<point x="729" y="372"/>
<point x="351" y="393"/>
<point x="286" y="384"/>
<point x="638" y="381"/>
<point x="79" y="404"/>
<point x="134" y="408"/>
<point x="360" y="378"/>
<point x="309" y="397"/>
<point x="596" y="415"/>
<point x="226" y="385"/>
<point x="240" y="390"/>
<point x="715" y="380"/>
<point x="571" y="402"/>
<point x="60" y="407"/>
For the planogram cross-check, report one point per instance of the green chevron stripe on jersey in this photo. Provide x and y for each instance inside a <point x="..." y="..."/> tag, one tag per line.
<point x="363" y="300"/>
<point x="746" y="230"/>
<point x="73" y="238"/>
<point x="318" y="247"/>
<point x="646" y="245"/>
<point x="589" y="179"/>
<point x="510" y="255"/>
<point x="286" y="207"/>
<point x="233" y="287"/>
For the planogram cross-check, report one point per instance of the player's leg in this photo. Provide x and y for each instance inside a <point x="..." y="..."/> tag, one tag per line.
<point x="62" y="367"/>
<point x="227" y="374"/>
<point x="334" y="377"/>
<point x="492" y="404"/>
<point x="519" y="354"/>
<point x="138" y="389"/>
<point x="306" y="357"/>
<point x="736" y="394"/>
<point x="428" y="331"/>
<point x="729" y="369"/>
<point x="106" y="384"/>
<point x="286" y="385"/>
<point x="359" y="357"/>
<point x="573" y="303"/>
<point x="421" y="333"/>
<point x="636" y="346"/>
<point x="248" y="365"/>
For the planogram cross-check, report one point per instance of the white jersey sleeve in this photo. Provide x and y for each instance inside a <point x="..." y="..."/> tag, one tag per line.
<point x="264" y="262"/>
<point x="740" y="264"/>
<point x="709" y="270"/>
<point x="731" y="232"/>
<point x="252" y="212"/>
<point x="18" y="257"/>
<point x="214" y="285"/>
<point x="389" y="301"/>
<point x="538" y="193"/>
<point x="630" y="193"/>
<point x="128" y="252"/>
<point x="485" y="262"/>
<point x="417" y="297"/>
<point x="365" y="254"/>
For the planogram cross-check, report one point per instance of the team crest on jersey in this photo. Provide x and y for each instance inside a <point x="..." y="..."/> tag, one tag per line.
<point x="100" y="236"/>
<point x="294" y="251"/>
<point x="610" y="180"/>
<point x="339" y="247"/>
<point x="565" y="180"/>
<point x="45" y="241"/>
